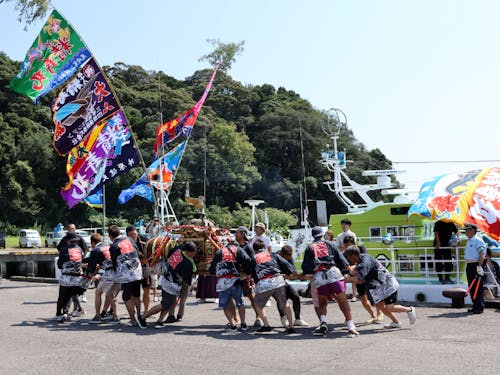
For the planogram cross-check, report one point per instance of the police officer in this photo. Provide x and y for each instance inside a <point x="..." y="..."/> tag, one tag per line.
<point x="474" y="255"/>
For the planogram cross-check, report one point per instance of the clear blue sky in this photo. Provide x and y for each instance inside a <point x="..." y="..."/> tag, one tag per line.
<point x="420" y="80"/>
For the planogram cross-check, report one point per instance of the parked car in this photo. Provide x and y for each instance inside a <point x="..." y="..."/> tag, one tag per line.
<point x="49" y="239"/>
<point x="52" y="239"/>
<point x="29" y="238"/>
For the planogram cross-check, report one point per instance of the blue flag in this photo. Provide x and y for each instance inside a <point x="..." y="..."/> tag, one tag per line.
<point x="140" y="188"/>
<point x="159" y="178"/>
<point x="95" y="200"/>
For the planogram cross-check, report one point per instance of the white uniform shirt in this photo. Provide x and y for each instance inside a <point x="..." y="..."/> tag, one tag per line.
<point x="474" y="248"/>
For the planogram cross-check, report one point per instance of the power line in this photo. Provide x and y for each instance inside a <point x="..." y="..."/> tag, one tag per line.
<point x="445" y="161"/>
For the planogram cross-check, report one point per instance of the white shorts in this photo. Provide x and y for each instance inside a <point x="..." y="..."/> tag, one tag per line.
<point x="106" y="287"/>
<point x="153" y="278"/>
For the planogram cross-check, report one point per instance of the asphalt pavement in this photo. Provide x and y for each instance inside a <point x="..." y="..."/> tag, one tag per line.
<point x="444" y="340"/>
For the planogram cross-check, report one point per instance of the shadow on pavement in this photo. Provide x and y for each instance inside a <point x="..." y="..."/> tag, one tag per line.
<point x="451" y="314"/>
<point x="214" y="331"/>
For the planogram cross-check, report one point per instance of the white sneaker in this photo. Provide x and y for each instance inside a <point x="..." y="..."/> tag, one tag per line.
<point x="300" y="323"/>
<point x="258" y="323"/>
<point x="268" y="303"/>
<point x="155" y="299"/>
<point x="284" y="321"/>
<point x="352" y="333"/>
<point x="392" y="325"/>
<point x="77" y="313"/>
<point x="412" y="316"/>
<point x="83" y="298"/>
<point x="61" y="318"/>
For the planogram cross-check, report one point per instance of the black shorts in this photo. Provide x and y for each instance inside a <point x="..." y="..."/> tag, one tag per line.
<point x="146" y="282"/>
<point x="361" y="289"/>
<point x="131" y="289"/>
<point x="392" y="299"/>
<point x="167" y="300"/>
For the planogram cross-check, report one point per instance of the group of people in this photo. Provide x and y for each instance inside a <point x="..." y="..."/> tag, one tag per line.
<point x="244" y="268"/>
<point x="120" y="266"/>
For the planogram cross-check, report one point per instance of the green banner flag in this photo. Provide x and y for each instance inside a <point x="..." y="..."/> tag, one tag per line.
<point x="54" y="56"/>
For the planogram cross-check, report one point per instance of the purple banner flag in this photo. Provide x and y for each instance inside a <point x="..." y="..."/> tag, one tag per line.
<point x="84" y="101"/>
<point x="108" y="151"/>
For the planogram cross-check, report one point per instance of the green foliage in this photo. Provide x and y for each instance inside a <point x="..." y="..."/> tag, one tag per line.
<point x="279" y="220"/>
<point x="223" y="54"/>
<point x="30" y="10"/>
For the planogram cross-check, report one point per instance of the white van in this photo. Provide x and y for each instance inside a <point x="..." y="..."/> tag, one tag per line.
<point x="29" y="238"/>
<point x="52" y="239"/>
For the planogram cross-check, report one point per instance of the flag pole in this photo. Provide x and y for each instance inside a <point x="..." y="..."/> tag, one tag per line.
<point x="167" y="194"/>
<point x="204" y="172"/>
<point x="163" y="154"/>
<point x="103" y="210"/>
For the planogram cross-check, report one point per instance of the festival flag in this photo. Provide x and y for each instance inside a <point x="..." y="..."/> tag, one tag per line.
<point x="468" y="197"/>
<point x="140" y="188"/>
<point x="143" y="187"/>
<point x="54" y="56"/>
<point x="85" y="100"/>
<point x="108" y="151"/>
<point x="183" y="124"/>
<point x="95" y="200"/>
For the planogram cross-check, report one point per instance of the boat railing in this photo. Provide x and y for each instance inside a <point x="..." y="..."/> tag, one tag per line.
<point x="378" y="239"/>
<point x="420" y="263"/>
<point x="490" y="282"/>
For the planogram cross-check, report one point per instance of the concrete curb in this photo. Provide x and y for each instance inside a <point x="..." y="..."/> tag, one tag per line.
<point x="34" y="279"/>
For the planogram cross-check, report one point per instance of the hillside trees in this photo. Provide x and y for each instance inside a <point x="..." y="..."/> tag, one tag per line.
<point x="252" y="137"/>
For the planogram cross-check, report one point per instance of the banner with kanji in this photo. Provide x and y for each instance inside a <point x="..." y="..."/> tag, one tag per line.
<point x="108" y="151"/>
<point x="55" y="55"/>
<point x="85" y="100"/>
<point x="183" y="124"/>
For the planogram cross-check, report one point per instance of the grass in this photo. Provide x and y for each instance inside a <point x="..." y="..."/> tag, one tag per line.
<point x="13" y="241"/>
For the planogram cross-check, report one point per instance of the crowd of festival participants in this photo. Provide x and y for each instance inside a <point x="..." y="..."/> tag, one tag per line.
<point x="245" y="268"/>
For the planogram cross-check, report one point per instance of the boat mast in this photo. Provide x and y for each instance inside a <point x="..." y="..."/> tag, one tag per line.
<point x="336" y="163"/>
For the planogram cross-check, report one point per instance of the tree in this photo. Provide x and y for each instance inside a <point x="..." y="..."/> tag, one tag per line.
<point x="30" y="10"/>
<point x="223" y="54"/>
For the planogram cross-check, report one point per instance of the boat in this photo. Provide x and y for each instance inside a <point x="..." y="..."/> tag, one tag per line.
<point x="403" y="245"/>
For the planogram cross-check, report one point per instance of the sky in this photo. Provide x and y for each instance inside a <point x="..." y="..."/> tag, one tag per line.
<point x="419" y="80"/>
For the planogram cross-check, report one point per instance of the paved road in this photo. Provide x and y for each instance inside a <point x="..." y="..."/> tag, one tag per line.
<point x="443" y="341"/>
